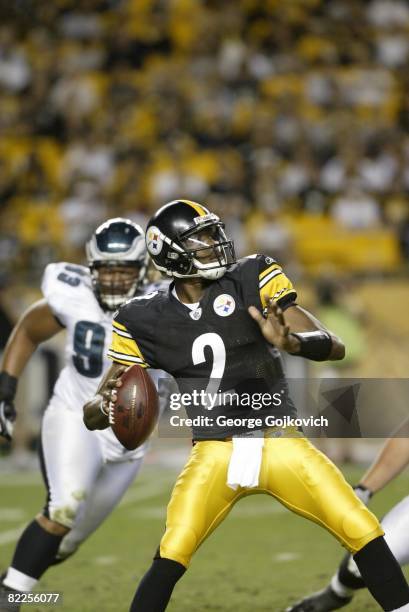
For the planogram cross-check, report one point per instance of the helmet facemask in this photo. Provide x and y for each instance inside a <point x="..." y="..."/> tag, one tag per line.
<point x="117" y="259"/>
<point x="185" y="240"/>
<point x="115" y="282"/>
<point x="209" y="250"/>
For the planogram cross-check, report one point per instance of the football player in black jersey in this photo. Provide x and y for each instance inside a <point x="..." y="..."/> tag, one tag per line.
<point x="215" y="328"/>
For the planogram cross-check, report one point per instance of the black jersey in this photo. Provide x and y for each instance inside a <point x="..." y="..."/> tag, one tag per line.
<point x="215" y="348"/>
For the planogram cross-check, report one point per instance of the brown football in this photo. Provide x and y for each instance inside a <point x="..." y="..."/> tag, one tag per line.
<point x="134" y="415"/>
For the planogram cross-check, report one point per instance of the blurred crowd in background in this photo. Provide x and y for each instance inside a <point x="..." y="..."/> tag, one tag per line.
<point x="289" y="119"/>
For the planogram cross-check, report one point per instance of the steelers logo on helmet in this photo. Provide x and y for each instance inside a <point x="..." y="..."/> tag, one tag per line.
<point x="224" y="305"/>
<point x="154" y="241"/>
<point x="185" y="240"/>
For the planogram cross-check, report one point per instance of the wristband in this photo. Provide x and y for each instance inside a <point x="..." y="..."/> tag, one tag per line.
<point x="8" y="386"/>
<point x="315" y="345"/>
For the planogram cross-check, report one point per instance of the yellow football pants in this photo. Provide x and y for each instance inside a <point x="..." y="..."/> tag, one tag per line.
<point x="293" y="471"/>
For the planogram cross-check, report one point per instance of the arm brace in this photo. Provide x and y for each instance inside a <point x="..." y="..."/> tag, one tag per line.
<point x="8" y="386"/>
<point x="315" y="345"/>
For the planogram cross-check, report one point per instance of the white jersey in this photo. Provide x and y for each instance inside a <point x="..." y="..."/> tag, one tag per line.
<point x="86" y="472"/>
<point x="68" y="291"/>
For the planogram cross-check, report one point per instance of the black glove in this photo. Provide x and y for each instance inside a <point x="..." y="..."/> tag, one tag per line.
<point x="363" y="493"/>
<point x="8" y="388"/>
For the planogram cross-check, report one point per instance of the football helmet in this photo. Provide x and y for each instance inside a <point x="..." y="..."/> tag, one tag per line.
<point x="117" y="259"/>
<point x="186" y="240"/>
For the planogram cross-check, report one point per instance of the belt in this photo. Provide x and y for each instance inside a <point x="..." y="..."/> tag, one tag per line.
<point x="270" y="432"/>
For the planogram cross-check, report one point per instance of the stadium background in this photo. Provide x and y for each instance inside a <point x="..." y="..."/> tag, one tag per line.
<point x="289" y="119"/>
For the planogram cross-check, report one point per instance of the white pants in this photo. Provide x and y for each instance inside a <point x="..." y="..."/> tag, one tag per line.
<point x="86" y="473"/>
<point x="396" y="526"/>
<point x="108" y="489"/>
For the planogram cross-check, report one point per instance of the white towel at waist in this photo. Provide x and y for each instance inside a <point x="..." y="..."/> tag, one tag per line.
<point x="245" y="460"/>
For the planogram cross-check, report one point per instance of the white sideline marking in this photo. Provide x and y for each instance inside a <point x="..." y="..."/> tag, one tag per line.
<point x="159" y="512"/>
<point x="106" y="560"/>
<point x="11" y="535"/>
<point x="149" y="512"/>
<point x="154" y="488"/>
<point x="139" y="493"/>
<point x="286" y="556"/>
<point x="12" y="514"/>
<point x="250" y="511"/>
<point x="13" y="479"/>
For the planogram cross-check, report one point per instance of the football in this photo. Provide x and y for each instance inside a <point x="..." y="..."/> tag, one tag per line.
<point x="134" y="415"/>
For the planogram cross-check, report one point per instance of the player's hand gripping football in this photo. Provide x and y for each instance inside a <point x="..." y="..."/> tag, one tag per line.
<point x="273" y="326"/>
<point x="96" y="411"/>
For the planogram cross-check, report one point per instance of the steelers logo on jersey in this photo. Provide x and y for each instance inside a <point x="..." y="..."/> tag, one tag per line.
<point x="154" y="241"/>
<point x="224" y="305"/>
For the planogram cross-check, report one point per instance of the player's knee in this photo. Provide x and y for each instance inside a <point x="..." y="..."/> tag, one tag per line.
<point x="64" y="511"/>
<point x="52" y="526"/>
<point x="178" y="544"/>
<point x="360" y="526"/>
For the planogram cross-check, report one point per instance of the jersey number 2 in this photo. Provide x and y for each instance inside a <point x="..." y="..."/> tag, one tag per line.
<point x="89" y="339"/>
<point x="215" y="342"/>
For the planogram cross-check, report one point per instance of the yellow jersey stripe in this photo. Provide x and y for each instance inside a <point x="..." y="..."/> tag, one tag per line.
<point x="119" y="326"/>
<point x="282" y="293"/>
<point x="130" y="344"/>
<point x="277" y="296"/>
<point x="266" y="280"/>
<point x="130" y="358"/>
<point x="275" y="266"/>
<point x="198" y="208"/>
<point x="125" y="362"/>
<point x="125" y="345"/>
<point x="124" y="334"/>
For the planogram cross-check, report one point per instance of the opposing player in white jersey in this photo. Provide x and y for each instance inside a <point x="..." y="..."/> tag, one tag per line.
<point x="393" y="458"/>
<point x="86" y="473"/>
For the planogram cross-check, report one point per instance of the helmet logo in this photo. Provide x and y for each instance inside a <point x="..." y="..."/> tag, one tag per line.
<point x="153" y="240"/>
<point x="224" y="305"/>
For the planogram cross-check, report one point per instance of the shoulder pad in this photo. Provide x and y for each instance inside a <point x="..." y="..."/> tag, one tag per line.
<point x="244" y="264"/>
<point x="138" y="299"/>
<point x="265" y="261"/>
<point x="67" y="289"/>
<point x="161" y="285"/>
<point x="144" y="306"/>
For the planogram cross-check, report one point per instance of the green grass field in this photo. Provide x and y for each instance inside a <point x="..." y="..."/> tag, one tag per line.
<point x="261" y="559"/>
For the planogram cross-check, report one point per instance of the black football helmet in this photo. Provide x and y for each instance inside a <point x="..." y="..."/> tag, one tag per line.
<point x="186" y="240"/>
<point x="117" y="259"/>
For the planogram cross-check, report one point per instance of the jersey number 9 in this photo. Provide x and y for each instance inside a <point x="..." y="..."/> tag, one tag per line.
<point x="89" y="340"/>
